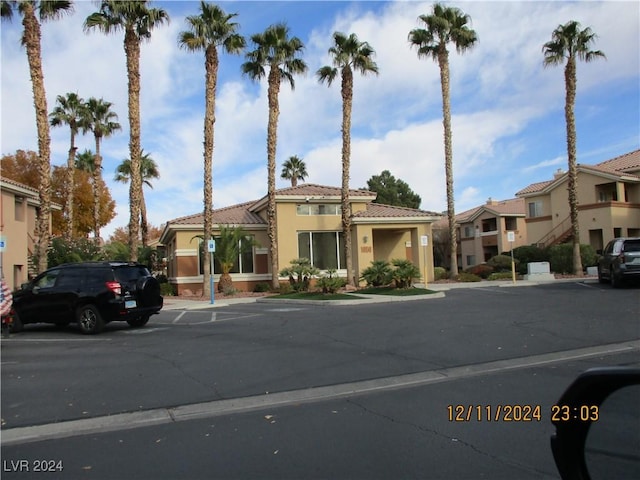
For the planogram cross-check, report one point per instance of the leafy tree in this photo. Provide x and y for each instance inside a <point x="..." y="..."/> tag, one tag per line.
<point x="102" y="121"/>
<point x="570" y="43"/>
<point x="47" y="10"/>
<point x="121" y="234"/>
<point x="70" y="110"/>
<point x="22" y="167"/>
<point x="211" y="29"/>
<point x="83" y="195"/>
<point x="148" y="171"/>
<point x="347" y="53"/>
<point x="393" y="192"/>
<point x="294" y="169"/>
<point x="445" y="25"/>
<point x="137" y="20"/>
<point x="277" y="51"/>
<point x="71" y="251"/>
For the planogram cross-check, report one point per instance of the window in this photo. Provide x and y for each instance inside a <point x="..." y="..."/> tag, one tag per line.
<point x="489" y="225"/>
<point x="469" y="231"/>
<point x="510" y="223"/>
<point x="319" y="209"/>
<point x="535" y="209"/>
<point x="471" y="260"/>
<point x="244" y="262"/>
<point x="324" y="249"/>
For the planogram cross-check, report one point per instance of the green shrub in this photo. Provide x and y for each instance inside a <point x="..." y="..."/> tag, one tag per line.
<point x="500" y="276"/>
<point x="561" y="257"/>
<point x="404" y="272"/>
<point x="167" y="290"/>
<point x="501" y="263"/>
<point x="162" y="278"/>
<point x="528" y="254"/>
<point x="483" y="270"/>
<point x="468" y="277"/>
<point x="230" y="290"/>
<point x="330" y="282"/>
<point x="300" y="274"/>
<point x="440" y="273"/>
<point x="262" y="287"/>
<point x="379" y="273"/>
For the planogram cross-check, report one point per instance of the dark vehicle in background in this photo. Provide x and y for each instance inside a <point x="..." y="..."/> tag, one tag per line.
<point x="91" y="294"/>
<point x="620" y="261"/>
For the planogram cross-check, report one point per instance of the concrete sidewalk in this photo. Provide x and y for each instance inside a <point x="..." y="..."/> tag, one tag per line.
<point x="181" y="303"/>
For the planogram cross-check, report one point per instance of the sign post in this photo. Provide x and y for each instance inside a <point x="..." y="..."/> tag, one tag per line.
<point x="424" y="242"/>
<point x="511" y="237"/>
<point x="211" y="248"/>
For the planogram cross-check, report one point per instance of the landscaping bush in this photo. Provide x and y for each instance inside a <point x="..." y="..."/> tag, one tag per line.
<point x="500" y="276"/>
<point x="261" y="287"/>
<point x="440" y="273"/>
<point x="330" y="282"/>
<point x="529" y="254"/>
<point x="300" y="274"/>
<point x="162" y="278"/>
<point x="404" y="272"/>
<point x="501" y="263"/>
<point x="483" y="270"/>
<point x="167" y="290"/>
<point x="561" y="257"/>
<point x="468" y="277"/>
<point x="379" y="273"/>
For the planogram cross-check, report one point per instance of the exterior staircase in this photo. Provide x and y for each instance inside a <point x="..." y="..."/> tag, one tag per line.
<point x="559" y="234"/>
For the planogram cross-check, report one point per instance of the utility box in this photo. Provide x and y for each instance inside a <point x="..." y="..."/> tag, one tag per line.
<point x="539" y="271"/>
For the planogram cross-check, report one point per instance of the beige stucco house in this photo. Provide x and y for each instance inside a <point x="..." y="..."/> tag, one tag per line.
<point x="19" y="209"/>
<point x="308" y="225"/>
<point x="483" y="231"/>
<point x="608" y="203"/>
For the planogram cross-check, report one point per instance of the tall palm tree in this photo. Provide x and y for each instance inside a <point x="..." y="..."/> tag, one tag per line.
<point x="348" y="54"/>
<point x="85" y="161"/>
<point x="445" y="25"/>
<point x="70" y="110"/>
<point x="102" y="121"/>
<point x="137" y="20"/>
<point x="47" y="10"/>
<point x="276" y="50"/>
<point x="148" y="171"/>
<point x="569" y="42"/>
<point x="211" y="29"/>
<point x="294" y="169"/>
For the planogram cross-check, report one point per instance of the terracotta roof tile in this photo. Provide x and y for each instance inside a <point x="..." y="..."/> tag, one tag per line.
<point x="233" y="215"/>
<point x="535" y="187"/>
<point x="629" y="162"/>
<point x="312" y="189"/>
<point x="378" y="210"/>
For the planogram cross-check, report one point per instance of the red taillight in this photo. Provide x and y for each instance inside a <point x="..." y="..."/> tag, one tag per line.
<point x="115" y="287"/>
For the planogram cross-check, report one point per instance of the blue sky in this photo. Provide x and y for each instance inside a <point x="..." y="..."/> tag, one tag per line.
<point x="508" y="111"/>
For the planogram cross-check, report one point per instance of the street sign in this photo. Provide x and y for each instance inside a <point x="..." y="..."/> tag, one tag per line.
<point x="424" y="240"/>
<point x="211" y="246"/>
<point x="3" y="244"/>
<point x="511" y="236"/>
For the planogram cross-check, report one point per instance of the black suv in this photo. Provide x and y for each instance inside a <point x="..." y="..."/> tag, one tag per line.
<point x="620" y="261"/>
<point x="91" y="294"/>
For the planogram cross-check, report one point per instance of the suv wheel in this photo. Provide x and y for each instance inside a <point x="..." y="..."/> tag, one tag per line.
<point x="138" y="322"/>
<point x="615" y="279"/>
<point x="89" y="319"/>
<point x="16" y="325"/>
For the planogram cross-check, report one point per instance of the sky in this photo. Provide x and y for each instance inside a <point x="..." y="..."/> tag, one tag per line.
<point x="507" y="109"/>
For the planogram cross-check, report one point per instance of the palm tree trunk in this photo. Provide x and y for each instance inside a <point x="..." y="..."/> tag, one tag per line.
<point x="31" y="41"/>
<point x="443" y="62"/>
<point x="272" y="138"/>
<point x="570" y="83"/>
<point x="347" y="104"/>
<point x="70" y="187"/>
<point x="132" y="51"/>
<point x="97" y="170"/>
<point x="144" y="225"/>
<point x="211" y="79"/>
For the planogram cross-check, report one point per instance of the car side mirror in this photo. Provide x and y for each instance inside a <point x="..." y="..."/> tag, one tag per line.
<point x="607" y="401"/>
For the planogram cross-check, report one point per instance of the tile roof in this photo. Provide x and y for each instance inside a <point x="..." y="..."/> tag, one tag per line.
<point x="312" y="189"/>
<point x="535" y="187"/>
<point x="234" y="215"/>
<point x="378" y="210"/>
<point x="20" y="185"/>
<point x="629" y="162"/>
<point x="513" y="206"/>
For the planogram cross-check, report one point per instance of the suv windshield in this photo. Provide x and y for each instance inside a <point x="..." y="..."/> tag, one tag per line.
<point x="632" y="246"/>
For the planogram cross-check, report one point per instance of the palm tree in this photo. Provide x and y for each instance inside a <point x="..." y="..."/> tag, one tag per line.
<point x="444" y="25"/>
<point x="569" y="42"/>
<point x="102" y="121"/>
<point x="137" y="20"/>
<point x="348" y="53"/>
<point x="70" y="110"/>
<point x="294" y="169"/>
<point x="148" y="171"/>
<point x="208" y="31"/>
<point x="230" y="243"/>
<point x="47" y="10"/>
<point x="274" y="49"/>
<point x="85" y="161"/>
